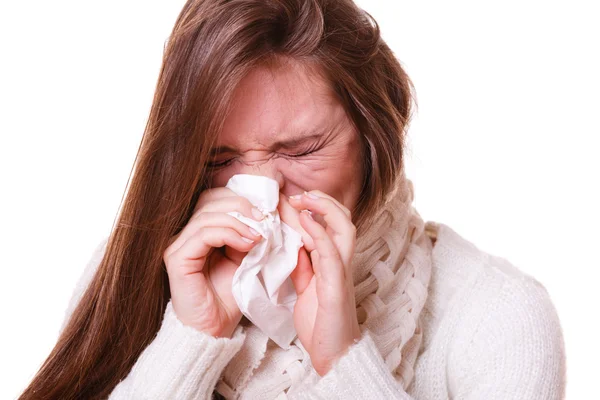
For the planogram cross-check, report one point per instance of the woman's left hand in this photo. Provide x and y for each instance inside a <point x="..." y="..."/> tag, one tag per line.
<point x="325" y="312"/>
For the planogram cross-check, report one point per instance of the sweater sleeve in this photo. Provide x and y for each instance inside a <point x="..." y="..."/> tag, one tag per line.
<point x="180" y="363"/>
<point x="360" y="374"/>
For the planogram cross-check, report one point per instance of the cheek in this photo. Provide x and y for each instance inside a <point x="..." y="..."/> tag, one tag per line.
<point x="339" y="177"/>
<point x="219" y="178"/>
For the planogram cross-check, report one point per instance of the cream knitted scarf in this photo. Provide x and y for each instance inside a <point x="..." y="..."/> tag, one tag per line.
<point x="392" y="268"/>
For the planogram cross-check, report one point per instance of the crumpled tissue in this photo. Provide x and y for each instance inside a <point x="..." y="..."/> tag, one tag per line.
<point x="261" y="285"/>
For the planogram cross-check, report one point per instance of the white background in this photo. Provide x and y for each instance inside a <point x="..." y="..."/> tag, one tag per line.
<point x="503" y="147"/>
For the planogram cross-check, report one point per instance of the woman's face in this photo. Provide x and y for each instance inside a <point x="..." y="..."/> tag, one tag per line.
<point x="287" y="125"/>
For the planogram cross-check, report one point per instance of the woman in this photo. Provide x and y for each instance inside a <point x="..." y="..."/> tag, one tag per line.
<point x="304" y="92"/>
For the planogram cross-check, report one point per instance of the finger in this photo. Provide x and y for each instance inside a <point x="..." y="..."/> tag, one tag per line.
<point x="217" y="204"/>
<point x="303" y="272"/>
<point x="326" y="261"/>
<point x="339" y="226"/>
<point x="206" y="219"/>
<point x="319" y="193"/>
<point x="191" y="256"/>
<point x="290" y="216"/>
<point x="232" y="203"/>
<point x="212" y="194"/>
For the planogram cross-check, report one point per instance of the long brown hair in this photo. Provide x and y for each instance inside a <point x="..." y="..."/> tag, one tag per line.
<point x="213" y="45"/>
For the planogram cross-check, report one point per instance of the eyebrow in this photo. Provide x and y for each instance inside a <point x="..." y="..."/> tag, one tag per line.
<point x="281" y="144"/>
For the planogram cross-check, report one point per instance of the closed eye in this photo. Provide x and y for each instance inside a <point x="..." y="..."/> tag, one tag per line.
<point x="312" y="149"/>
<point x="224" y="163"/>
<point x="219" y="164"/>
<point x="301" y="154"/>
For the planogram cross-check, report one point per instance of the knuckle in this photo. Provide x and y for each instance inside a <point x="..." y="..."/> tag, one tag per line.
<point x="203" y="219"/>
<point x="166" y="256"/>
<point x="331" y="254"/>
<point x="204" y="197"/>
<point x="239" y="202"/>
<point x="347" y="211"/>
<point x="167" y="253"/>
<point x="344" y="209"/>
<point x="172" y="240"/>
<point x="332" y="202"/>
<point x="201" y="233"/>
<point x="352" y="229"/>
<point x="210" y="195"/>
<point x="244" y="206"/>
<point x="229" y="233"/>
<point x="243" y="202"/>
<point x="199" y="209"/>
<point x="320" y="237"/>
<point x="198" y="214"/>
<point x="313" y="254"/>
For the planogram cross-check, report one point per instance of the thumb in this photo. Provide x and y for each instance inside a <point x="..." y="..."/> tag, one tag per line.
<point x="303" y="272"/>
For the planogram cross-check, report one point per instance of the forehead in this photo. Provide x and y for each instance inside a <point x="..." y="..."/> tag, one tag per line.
<point x="276" y="103"/>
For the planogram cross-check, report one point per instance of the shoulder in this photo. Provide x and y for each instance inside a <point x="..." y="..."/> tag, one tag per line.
<point x="491" y="317"/>
<point x="461" y="272"/>
<point x="85" y="278"/>
<point x="91" y="266"/>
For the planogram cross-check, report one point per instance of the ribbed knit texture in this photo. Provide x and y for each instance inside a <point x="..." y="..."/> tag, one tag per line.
<point x="488" y="332"/>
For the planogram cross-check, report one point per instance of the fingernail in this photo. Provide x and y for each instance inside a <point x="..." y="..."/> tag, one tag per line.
<point x="257" y="214"/>
<point x="310" y="195"/>
<point x="296" y="197"/>
<point x="309" y="213"/>
<point x="254" y="232"/>
<point x="245" y="239"/>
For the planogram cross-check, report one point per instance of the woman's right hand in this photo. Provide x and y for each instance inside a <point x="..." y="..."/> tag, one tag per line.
<point x="203" y="257"/>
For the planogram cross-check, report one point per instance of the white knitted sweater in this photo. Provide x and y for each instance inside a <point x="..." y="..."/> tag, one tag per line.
<point x="490" y="332"/>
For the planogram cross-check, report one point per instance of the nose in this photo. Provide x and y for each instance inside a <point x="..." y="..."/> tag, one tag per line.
<point x="264" y="169"/>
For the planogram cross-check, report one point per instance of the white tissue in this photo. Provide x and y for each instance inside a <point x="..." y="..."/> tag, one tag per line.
<point x="261" y="285"/>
